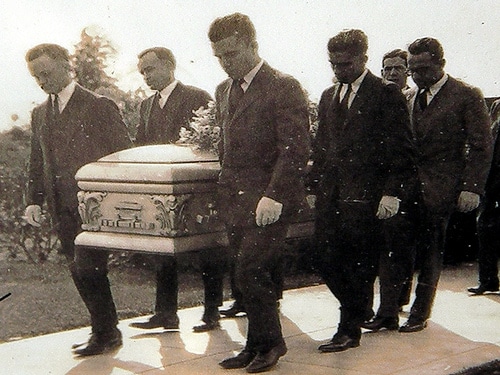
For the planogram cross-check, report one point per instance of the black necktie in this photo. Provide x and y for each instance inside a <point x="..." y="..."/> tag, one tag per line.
<point x="54" y="108"/>
<point x="235" y="94"/>
<point x="345" y="100"/>
<point x="422" y="99"/>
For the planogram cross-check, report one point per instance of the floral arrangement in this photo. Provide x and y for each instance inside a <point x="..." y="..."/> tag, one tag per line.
<point x="202" y="132"/>
<point x="205" y="135"/>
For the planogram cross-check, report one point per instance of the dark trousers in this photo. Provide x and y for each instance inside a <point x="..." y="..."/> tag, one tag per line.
<point x="259" y="252"/>
<point x="489" y="244"/>
<point x="397" y="263"/>
<point x="89" y="270"/>
<point x="278" y="275"/>
<point x="418" y="231"/>
<point x="212" y="264"/>
<point x="167" y="286"/>
<point x="350" y="263"/>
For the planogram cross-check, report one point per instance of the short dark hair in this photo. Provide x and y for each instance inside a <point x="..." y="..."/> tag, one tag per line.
<point x="54" y="51"/>
<point x="233" y="24"/>
<point x="396" y="53"/>
<point x="354" y="41"/>
<point x="427" y="44"/>
<point x="162" y="53"/>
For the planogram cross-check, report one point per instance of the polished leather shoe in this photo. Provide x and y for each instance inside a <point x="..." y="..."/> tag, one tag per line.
<point x="264" y="361"/>
<point x="100" y="343"/>
<point x="413" y="326"/>
<point x="339" y="343"/>
<point x="241" y="360"/>
<point x="380" y="322"/>
<point x="158" y="321"/>
<point x="481" y="289"/>
<point x="210" y="320"/>
<point x="205" y="327"/>
<point x="235" y="309"/>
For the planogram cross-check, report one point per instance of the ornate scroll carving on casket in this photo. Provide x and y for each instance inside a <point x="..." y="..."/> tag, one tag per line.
<point x="89" y="204"/>
<point x="171" y="214"/>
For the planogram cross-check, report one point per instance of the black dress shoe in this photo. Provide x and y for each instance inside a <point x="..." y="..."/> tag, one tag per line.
<point x="158" y="321"/>
<point x="210" y="320"/>
<point x="205" y="327"/>
<point x="481" y="289"/>
<point x="413" y="326"/>
<point x="234" y="310"/>
<point x="264" y="361"/>
<point x="241" y="360"/>
<point x="100" y="343"/>
<point x="339" y="343"/>
<point x="379" y="322"/>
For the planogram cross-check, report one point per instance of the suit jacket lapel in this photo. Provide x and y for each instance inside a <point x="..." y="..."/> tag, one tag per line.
<point x="75" y="103"/>
<point x="44" y="126"/>
<point x="148" y="105"/>
<point x="174" y="100"/>
<point x="254" y="90"/>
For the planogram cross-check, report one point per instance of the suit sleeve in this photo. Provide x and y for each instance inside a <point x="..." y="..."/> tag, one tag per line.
<point x="320" y="144"/>
<point x="479" y="140"/>
<point x="399" y="149"/>
<point x="35" y="193"/>
<point x="292" y="134"/>
<point x="140" y="137"/>
<point x="218" y="122"/>
<point x="109" y="127"/>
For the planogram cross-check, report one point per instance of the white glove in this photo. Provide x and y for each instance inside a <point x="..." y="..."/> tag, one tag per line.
<point x="388" y="207"/>
<point x="467" y="201"/>
<point x="33" y="215"/>
<point x="268" y="211"/>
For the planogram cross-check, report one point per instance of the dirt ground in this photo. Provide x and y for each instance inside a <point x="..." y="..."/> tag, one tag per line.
<point x="43" y="298"/>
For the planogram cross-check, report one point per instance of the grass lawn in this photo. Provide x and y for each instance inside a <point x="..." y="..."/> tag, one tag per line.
<point x="44" y="300"/>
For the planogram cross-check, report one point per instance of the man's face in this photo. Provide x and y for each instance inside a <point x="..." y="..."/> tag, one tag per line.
<point x="347" y="66"/>
<point x="236" y="56"/>
<point x="157" y="73"/>
<point x="424" y="70"/>
<point x="394" y="70"/>
<point x="51" y="75"/>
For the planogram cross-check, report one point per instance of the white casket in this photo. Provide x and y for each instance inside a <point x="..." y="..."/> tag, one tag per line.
<point x="156" y="199"/>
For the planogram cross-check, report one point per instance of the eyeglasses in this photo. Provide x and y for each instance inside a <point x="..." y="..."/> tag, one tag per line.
<point x="420" y="70"/>
<point x="397" y="68"/>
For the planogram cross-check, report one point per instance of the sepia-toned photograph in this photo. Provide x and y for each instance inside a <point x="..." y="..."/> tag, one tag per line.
<point x="242" y="186"/>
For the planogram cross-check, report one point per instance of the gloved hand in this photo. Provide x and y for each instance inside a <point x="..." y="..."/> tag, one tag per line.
<point x="467" y="201"/>
<point x="33" y="215"/>
<point x="268" y="211"/>
<point x="388" y="207"/>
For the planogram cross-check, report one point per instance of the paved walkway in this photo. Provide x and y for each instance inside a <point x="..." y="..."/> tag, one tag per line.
<point x="464" y="332"/>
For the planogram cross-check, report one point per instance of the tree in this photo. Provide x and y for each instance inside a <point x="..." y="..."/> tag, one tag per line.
<point x="90" y="62"/>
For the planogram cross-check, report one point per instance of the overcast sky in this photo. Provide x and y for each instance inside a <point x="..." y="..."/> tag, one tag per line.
<point x="292" y="36"/>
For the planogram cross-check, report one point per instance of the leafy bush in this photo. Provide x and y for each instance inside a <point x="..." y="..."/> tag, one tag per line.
<point x="16" y="236"/>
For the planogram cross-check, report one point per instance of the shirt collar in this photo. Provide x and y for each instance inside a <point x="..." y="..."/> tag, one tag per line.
<point x="355" y="85"/>
<point x="165" y="93"/>
<point x="251" y="75"/>
<point x="358" y="81"/>
<point x="65" y="95"/>
<point x="434" y="89"/>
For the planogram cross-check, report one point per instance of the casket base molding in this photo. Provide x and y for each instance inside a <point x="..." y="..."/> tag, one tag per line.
<point x="151" y="244"/>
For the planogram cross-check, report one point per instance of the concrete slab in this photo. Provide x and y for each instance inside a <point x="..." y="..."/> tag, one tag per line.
<point x="464" y="331"/>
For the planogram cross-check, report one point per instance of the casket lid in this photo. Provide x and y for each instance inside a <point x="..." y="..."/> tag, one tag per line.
<point x="156" y="164"/>
<point x="163" y="154"/>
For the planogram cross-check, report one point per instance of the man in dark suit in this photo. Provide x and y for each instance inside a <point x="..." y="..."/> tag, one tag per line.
<point x="489" y="218"/>
<point x="361" y="156"/>
<point x="161" y="117"/>
<point x="395" y="69"/>
<point x="451" y="134"/>
<point x="264" y="149"/>
<point x="72" y="128"/>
